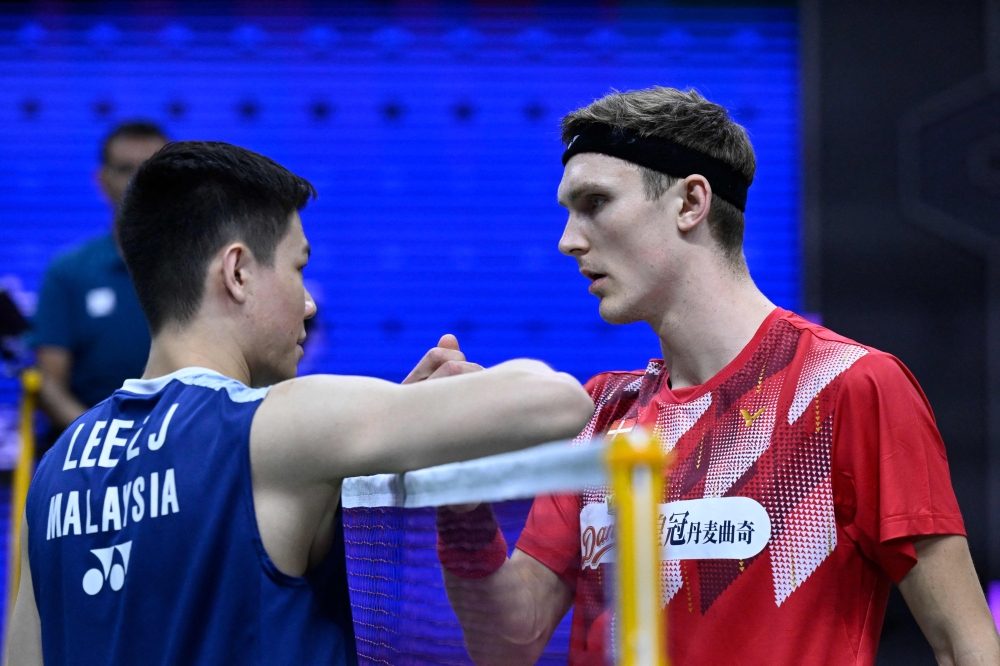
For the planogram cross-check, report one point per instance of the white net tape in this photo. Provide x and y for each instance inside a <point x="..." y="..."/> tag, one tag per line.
<point x="541" y="470"/>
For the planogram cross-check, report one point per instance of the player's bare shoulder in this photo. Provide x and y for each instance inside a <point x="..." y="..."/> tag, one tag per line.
<point x="304" y="421"/>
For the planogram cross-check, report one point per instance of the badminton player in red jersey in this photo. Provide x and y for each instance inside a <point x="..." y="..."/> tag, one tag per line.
<point x="830" y="445"/>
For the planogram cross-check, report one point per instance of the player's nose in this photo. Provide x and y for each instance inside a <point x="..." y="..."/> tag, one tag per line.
<point x="573" y="242"/>
<point x="311" y="306"/>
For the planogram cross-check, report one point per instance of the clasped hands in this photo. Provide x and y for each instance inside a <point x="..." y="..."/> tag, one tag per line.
<point x="445" y="360"/>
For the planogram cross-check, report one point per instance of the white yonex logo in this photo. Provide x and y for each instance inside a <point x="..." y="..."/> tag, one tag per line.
<point x="94" y="579"/>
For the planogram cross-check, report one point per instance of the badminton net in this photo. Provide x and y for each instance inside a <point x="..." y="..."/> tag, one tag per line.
<point x="401" y="612"/>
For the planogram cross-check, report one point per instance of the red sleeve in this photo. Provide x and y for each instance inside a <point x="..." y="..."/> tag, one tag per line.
<point x="891" y="480"/>
<point x="551" y="534"/>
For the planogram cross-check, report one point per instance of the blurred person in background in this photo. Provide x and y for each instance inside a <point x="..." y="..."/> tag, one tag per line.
<point x="89" y="332"/>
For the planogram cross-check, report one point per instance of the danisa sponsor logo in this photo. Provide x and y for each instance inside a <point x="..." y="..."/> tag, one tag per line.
<point x="596" y="541"/>
<point x="713" y="528"/>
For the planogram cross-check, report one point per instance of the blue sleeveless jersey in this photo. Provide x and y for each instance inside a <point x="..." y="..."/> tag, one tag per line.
<point x="144" y="546"/>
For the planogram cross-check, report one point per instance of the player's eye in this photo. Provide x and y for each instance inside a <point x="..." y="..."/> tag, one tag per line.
<point x="596" y="201"/>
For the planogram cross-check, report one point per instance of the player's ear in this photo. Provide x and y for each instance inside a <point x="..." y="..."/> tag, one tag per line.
<point x="235" y="264"/>
<point x="696" y="199"/>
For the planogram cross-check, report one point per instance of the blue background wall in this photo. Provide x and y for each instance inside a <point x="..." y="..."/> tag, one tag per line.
<point x="431" y="133"/>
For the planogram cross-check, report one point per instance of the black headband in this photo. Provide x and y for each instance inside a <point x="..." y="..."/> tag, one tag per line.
<point x="663" y="155"/>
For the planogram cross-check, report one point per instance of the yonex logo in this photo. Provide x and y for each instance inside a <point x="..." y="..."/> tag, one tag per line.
<point x="94" y="579"/>
<point x="750" y="418"/>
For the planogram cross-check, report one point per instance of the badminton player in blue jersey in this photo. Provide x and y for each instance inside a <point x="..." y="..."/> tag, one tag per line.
<point x="191" y="518"/>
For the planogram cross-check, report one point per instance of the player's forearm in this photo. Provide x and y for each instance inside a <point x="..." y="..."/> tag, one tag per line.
<point x="968" y="653"/>
<point x="501" y="409"/>
<point x="945" y="597"/>
<point x="24" y="634"/>
<point x="971" y="643"/>
<point x="497" y="618"/>
<point x="355" y="426"/>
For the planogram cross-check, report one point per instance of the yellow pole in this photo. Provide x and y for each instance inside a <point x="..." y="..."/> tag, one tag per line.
<point x="635" y="465"/>
<point x="31" y="382"/>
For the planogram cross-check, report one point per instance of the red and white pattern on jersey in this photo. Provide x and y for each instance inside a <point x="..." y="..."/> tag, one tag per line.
<point x="616" y="405"/>
<point x="672" y="422"/>
<point x="735" y="440"/>
<point x="803" y="492"/>
<point x="610" y="396"/>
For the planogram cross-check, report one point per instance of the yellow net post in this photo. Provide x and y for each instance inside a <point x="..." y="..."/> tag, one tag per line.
<point x="31" y="383"/>
<point x="635" y="464"/>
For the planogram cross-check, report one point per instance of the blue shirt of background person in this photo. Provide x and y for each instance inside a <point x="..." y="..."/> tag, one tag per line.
<point x="88" y="311"/>
<point x="89" y="332"/>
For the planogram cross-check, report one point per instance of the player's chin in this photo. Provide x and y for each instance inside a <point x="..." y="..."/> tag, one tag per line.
<point x="616" y="313"/>
<point x="288" y="366"/>
<point x="292" y="367"/>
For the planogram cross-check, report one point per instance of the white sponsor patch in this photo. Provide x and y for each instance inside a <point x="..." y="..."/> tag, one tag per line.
<point x="713" y="528"/>
<point x="596" y="535"/>
<point x="101" y="302"/>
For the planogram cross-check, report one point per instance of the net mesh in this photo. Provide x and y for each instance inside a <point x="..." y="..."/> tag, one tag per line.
<point x="401" y="612"/>
<point x="402" y="616"/>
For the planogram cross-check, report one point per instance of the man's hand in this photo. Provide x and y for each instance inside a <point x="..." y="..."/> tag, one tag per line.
<point x="509" y="617"/>
<point x="445" y="360"/>
<point x="55" y="398"/>
<point x="945" y="598"/>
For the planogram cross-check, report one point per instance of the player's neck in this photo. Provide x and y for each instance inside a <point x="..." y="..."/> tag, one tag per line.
<point x="197" y="344"/>
<point x="707" y="325"/>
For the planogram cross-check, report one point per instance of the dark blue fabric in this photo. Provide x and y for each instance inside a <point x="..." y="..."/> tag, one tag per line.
<point x="191" y="584"/>
<point x="109" y="345"/>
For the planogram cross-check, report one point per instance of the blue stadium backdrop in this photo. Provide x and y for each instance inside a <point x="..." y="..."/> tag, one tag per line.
<point x="430" y="131"/>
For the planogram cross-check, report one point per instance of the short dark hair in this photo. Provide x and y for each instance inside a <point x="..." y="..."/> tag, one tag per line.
<point x="691" y="120"/>
<point x="134" y="129"/>
<point x="184" y="204"/>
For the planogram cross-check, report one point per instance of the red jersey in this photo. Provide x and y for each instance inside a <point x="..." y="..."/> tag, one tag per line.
<point x="836" y="446"/>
